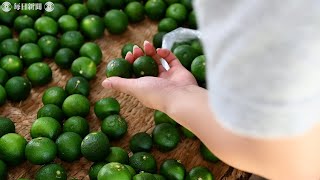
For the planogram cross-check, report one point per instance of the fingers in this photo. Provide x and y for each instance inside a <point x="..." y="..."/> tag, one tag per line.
<point x="151" y="51"/>
<point x="120" y="84"/>
<point x="137" y="52"/>
<point x="129" y="57"/>
<point x="169" y="57"/>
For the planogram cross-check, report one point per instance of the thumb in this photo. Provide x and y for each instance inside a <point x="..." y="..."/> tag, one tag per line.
<point x="121" y="84"/>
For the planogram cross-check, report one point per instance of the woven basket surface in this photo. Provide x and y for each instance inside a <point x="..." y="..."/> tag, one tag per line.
<point x="139" y="118"/>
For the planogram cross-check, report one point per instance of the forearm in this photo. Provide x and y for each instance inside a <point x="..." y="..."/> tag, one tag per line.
<point x="278" y="157"/>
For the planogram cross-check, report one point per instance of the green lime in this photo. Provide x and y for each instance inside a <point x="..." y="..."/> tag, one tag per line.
<point x="28" y="35"/>
<point x="46" y="25"/>
<point x="192" y="20"/>
<point x="157" y="39"/>
<point x="78" y="11"/>
<point x="41" y="150"/>
<point x="197" y="45"/>
<point x="126" y="48"/>
<point x="116" y="21"/>
<point x="165" y="136"/>
<point x="45" y="127"/>
<point x="145" y="66"/>
<point x="64" y="58"/>
<point x="167" y="25"/>
<point x="95" y="146"/>
<point x="155" y="9"/>
<point x="68" y="23"/>
<point x="143" y="161"/>
<point x="207" y="154"/>
<point x="177" y="44"/>
<point x="78" y="85"/>
<point x="200" y="172"/>
<point x="39" y="73"/>
<point x="140" y="142"/>
<point x="172" y="1"/>
<point x="51" y="110"/>
<point x="49" y="45"/>
<point x="114" y="126"/>
<point x="6" y="126"/>
<point x="92" y="27"/>
<point x="131" y="170"/>
<point x="3" y="170"/>
<point x="119" y="67"/>
<point x="76" y="105"/>
<point x="187" y="133"/>
<point x="69" y="146"/>
<point x="118" y="154"/>
<point x="7" y="18"/>
<point x="134" y="11"/>
<point x="18" y="88"/>
<point x="92" y="51"/>
<point x="84" y="67"/>
<point x="12" y="65"/>
<point x="94" y="170"/>
<point x="172" y="169"/>
<point x="57" y="12"/>
<point x="3" y="96"/>
<point x="177" y="12"/>
<point x="9" y="47"/>
<point x="5" y="33"/>
<point x="97" y="7"/>
<point x="12" y="147"/>
<point x="112" y="4"/>
<point x="68" y="3"/>
<point x="23" y="22"/>
<point x="198" y="68"/>
<point x="51" y="172"/>
<point x="30" y="53"/>
<point x="160" y="117"/>
<point x="144" y="176"/>
<point x="77" y="125"/>
<point x="159" y="177"/>
<point x="72" y="39"/>
<point x="54" y="95"/>
<point x="186" y="54"/>
<point x="187" y="4"/>
<point x="106" y="107"/>
<point x="114" y="170"/>
<point x="3" y="76"/>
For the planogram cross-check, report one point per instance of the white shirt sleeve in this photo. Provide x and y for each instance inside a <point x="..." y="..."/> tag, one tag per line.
<point x="263" y="64"/>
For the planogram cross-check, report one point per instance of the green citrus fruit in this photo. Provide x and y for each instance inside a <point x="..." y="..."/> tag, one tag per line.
<point x="207" y="154"/>
<point x="9" y="47"/>
<point x="106" y="107"/>
<point x="30" y="53"/>
<point x="23" y="22"/>
<point x="165" y="136"/>
<point x="95" y="146"/>
<point x="177" y="12"/>
<point x="116" y="21"/>
<point x="52" y="172"/>
<point x="3" y="170"/>
<point x="126" y="48"/>
<point x="92" y="27"/>
<point x="6" y="126"/>
<point x="144" y="175"/>
<point x="51" y="110"/>
<point x="119" y="67"/>
<point x="12" y="148"/>
<point x="140" y="142"/>
<point x="200" y="172"/>
<point x="192" y="20"/>
<point x="57" y="12"/>
<point x="84" y="67"/>
<point x="5" y="33"/>
<point x="41" y="150"/>
<point x="28" y="35"/>
<point x="54" y="95"/>
<point x="186" y="54"/>
<point x="167" y="25"/>
<point x="3" y="96"/>
<point x="145" y="66"/>
<point x="134" y="11"/>
<point x="160" y="117"/>
<point x="78" y="11"/>
<point x="46" y="25"/>
<point x="114" y="170"/>
<point x="198" y="68"/>
<point x="69" y="146"/>
<point x="45" y="127"/>
<point x="155" y="9"/>
<point x="114" y="126"/>
<point x="187" y="133"/>
<point x="92" y="51"/>
<point x="94" y="170"/>
<point x="76" y="105"/>
<point x="112" y="4"/>
<point x="157" y="39"/>
<point x="49" y="45"/>
<point x="118" y="154"/>
<point x="77" y="125"/>
<point x="97" y="7"/>
<point x="72" y="39"/>
<point x="12" y="65"/>
<point x="18" y="88"/>
<point x="68" y="23"/>
<point x="172" y="169"/>
<point x="3" y="76"/>
<point x="78" y="85"/>
<point x="64" y="58"/>
<point x="39" y="73"/>
<point x="143" y="161"/>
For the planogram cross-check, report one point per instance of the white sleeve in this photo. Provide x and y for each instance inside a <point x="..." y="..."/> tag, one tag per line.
<point x="263" y="64"/>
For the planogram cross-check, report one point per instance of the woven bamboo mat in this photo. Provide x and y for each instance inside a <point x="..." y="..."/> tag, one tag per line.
<point x="139" y="118"/>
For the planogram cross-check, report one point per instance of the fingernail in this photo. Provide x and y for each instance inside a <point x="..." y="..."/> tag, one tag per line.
<point x="135" y="47"/>
<point x="106" y="83"/>
<point x="145" y="42"/>
<point x="128" y="54"/>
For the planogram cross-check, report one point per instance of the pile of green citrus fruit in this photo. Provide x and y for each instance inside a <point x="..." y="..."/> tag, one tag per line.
<point x="28" y="38"/>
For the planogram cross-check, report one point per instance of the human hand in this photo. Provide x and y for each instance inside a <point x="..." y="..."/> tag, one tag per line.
<point x="154" y="92"/>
